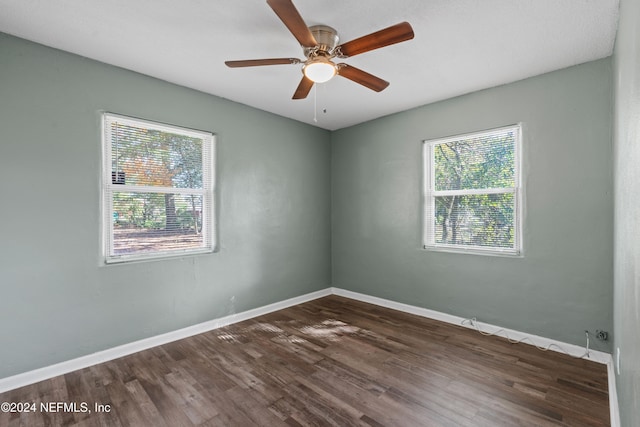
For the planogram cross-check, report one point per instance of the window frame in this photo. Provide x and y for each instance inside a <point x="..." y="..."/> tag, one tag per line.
<point x="208" y="191"/>
<point x="430" y="194"/>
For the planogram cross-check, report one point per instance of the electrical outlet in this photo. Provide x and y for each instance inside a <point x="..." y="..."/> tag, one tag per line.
<point x="618" y="360"/>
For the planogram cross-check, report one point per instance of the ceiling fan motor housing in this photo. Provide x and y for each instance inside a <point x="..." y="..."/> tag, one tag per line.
<point x="326" y="37"/>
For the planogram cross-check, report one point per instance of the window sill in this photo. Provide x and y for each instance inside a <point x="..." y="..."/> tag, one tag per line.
<point x="155" y="257"/>
<point x="475" y="251"/>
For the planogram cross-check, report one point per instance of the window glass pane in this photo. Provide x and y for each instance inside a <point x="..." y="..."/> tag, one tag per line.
<point x="151" y="157"/>
<point x="485" y="161"/>
<point x="485" y="220"/>
<point x="156" y="222"/>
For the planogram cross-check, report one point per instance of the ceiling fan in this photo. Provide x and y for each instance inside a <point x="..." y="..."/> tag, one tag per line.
<point x="320" y="46"/>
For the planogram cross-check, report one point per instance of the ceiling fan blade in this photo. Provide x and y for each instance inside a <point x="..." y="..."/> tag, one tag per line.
<point x="385" y="37"/>
<point x="258" y="62"/>
<point x="303" y="88"/>
<point x="362" y="77"/>
<point x="290" y="16"/>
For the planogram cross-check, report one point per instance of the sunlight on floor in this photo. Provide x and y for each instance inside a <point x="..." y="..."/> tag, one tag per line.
<point x="329" y="329"/>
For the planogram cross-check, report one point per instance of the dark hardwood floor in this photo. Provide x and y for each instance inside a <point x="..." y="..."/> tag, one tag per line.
<point x="332" y="361"/>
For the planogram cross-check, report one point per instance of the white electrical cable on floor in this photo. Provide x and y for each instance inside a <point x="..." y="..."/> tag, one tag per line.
<point x="474" y="323"/>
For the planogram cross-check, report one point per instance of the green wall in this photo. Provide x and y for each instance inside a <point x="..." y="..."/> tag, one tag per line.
<point x="56" y="301"/>
<point x="563" y="284"/>
<point x="626" y="319"/>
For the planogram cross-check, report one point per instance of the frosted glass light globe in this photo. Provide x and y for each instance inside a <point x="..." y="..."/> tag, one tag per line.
<point x="320" y="70"/>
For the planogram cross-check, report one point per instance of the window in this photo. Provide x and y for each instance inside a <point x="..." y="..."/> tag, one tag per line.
<point x="158" y="189"/>
<point x="472" y="192"/>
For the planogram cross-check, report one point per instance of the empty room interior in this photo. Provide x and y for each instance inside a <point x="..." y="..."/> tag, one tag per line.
<point x="320" y="213"/>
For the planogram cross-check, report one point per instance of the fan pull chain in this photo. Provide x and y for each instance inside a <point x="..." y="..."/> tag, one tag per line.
<point x="324" y="96"/>
<point x="315" y="103"/>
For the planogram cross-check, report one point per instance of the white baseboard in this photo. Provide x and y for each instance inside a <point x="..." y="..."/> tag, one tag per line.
<point x="47" y="372"/>
<point x="614" y="409"/>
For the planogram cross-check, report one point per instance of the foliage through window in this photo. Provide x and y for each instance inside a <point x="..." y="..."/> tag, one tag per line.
<point x="472" y="192"/>
<point x="158" y="189"/>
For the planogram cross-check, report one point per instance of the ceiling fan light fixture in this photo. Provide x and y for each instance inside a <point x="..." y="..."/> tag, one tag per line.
<point x="319" y="70"/>
<point x="320" y="44"/>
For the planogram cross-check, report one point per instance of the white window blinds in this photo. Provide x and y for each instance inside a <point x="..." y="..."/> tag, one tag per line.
<point x="158" y="189"/>
<point x="472" y="192"/>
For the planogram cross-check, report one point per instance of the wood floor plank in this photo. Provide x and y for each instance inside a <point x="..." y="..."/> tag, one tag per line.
<point x="329" y="362"/>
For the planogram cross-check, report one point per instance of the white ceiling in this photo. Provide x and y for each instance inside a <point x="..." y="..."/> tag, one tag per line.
<point x="460" y="46"/>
